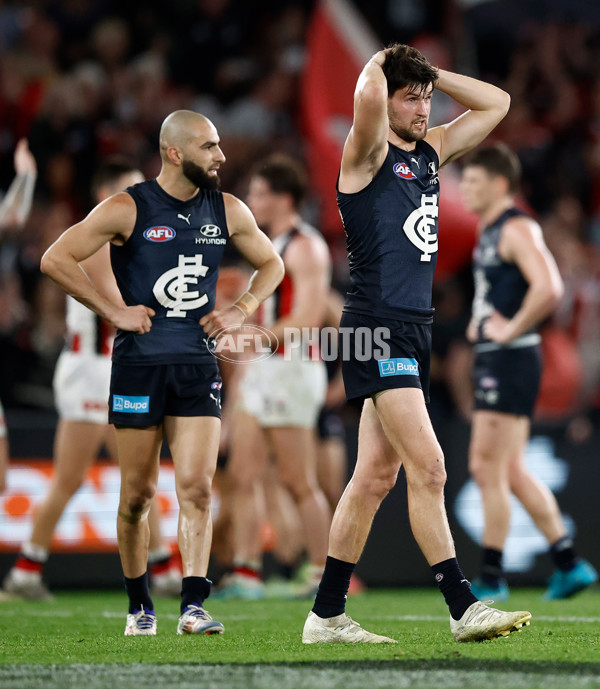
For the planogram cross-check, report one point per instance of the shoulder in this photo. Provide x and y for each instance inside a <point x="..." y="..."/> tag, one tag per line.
<point x="235" y="209"/>
<point x="121" y="205"/>
<point x="519" y="235"/>
<point x="116" y="216"/>
<point x="520" y="228"/>
<point x="307" y="248"/>
<point x="238" y="215"/>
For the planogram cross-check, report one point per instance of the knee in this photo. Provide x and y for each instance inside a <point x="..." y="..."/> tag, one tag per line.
<point x="243" y="481"/>
<point x="298" y="487"/>
<point x="136" y="498"/>
<point x="67" y="485"/>
<point x="195" y="492"/>
<point x="377" y="486"/>
<point x="428" y="475"/>
<point x="481" y="465"/>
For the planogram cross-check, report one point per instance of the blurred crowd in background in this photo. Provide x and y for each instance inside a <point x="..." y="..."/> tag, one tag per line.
<point x="87" y="79"/>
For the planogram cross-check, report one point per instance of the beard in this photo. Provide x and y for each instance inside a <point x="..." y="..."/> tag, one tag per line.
<point x="199" y="177"/>
<point x="407" y="134"/>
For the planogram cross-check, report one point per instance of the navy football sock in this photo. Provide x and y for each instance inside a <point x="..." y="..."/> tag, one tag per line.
<point x="563" y="554"/>
<point x="139" y="593"/>
<point x="333" y="589"/>
<point x="491" y="566"/>
<point x="194" y="591"/>
<point x="454" y="586"/>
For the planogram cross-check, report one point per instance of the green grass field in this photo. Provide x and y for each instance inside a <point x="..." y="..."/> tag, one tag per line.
<point x="77" y="641"/>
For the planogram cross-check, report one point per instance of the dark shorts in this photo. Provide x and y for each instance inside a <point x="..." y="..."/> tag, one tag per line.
<point x="507" y="380"/>
<point x="330" y="425"/>
<point x="382" y="354"/>
<point x="144" y="395"/>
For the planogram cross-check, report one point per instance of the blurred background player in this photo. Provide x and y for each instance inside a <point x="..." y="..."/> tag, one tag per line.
<point x="332" y="462"/>
<point x="517" y="285"/>
<point x="280" y="397"/>
<point x="14" y="211"/>
<point x="81" y="386"/>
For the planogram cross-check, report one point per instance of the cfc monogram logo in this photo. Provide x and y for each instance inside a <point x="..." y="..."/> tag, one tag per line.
<point x="419" y="225"/>
<point x="172" y="289"/>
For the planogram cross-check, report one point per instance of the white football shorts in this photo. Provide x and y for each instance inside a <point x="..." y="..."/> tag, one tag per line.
<point x="283" y="393"/>
<point x="81" y="387"/>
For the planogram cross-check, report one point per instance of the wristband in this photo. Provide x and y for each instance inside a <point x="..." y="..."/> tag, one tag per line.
<point x="237" y="306"/>
<point x="247" y="304"/>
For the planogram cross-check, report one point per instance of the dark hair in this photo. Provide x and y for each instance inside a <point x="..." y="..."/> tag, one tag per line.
<point x="110" y="170"/>
<point x="498" y="160"/>
<point x="406" y="66"/>
<point x="284" y="175"/>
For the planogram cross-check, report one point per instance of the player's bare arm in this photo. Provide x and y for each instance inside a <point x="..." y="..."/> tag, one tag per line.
<point x="487" y="105"/>
<point x="257" y="249"/>
<point x="99" y="271"/>
<point x="111" y="221"/>
<point x="16" y="205"/>
<point x="522" y="243"/>
<point x="308" y="264"/>
<point x="366" y="146"/>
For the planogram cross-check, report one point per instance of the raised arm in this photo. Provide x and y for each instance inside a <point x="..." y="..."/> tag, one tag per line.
<point x="111" y="221"/>
<point x="522" y="243"/>
<point x="257" y="249"/>
<point x="487" y="105"/>
<point x="16" y="205"/>
<point x="366" y="146"/>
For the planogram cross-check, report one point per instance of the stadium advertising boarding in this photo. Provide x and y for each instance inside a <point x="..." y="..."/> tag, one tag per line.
<point x="88" y="523"/>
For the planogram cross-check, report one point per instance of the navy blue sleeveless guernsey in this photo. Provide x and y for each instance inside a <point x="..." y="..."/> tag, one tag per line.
<point x="171" y="264"/>
<point x="499" y="284"/>
<point x="391" y="233"/>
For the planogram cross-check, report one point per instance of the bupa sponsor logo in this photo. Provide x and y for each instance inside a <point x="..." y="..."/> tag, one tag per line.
<point x="160" y="233"/>
<point x="131" y="405"/>
<point x="398" y="367"/>
<point x="402" y="170"/>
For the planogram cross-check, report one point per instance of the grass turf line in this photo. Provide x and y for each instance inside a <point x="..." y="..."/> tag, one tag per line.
<point x="87" y="628"/>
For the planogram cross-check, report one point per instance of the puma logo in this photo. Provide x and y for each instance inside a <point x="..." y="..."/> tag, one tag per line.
<point x="185" y="217"/>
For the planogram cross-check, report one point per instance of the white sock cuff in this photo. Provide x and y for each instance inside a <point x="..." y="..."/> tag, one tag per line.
<point x="35" y="552"/>
<point x="158" y="554"/>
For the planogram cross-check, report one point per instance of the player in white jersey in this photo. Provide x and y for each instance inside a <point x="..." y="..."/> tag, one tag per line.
<point x="14" y="211"/>
<point x="81" y="389"/>
<point x="280" y="396"/>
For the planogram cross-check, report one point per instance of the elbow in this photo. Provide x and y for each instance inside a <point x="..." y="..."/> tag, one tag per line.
<point x="558" y="290"/>
<point x="503" y="103"/>
<point x="279" y="270"/>
<point x="48" y="263"/>
<point x="552" y="298"/>
<point x="371" y="93"/>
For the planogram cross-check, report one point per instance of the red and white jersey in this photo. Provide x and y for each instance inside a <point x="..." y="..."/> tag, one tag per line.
<point x="87" y="333"/>
<point x="281" y="303"/>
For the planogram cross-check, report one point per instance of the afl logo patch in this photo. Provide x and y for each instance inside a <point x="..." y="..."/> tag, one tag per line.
<point x="402" y="170"/>
<point x="161" y="233"/>
<point x="210" y="230"/>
